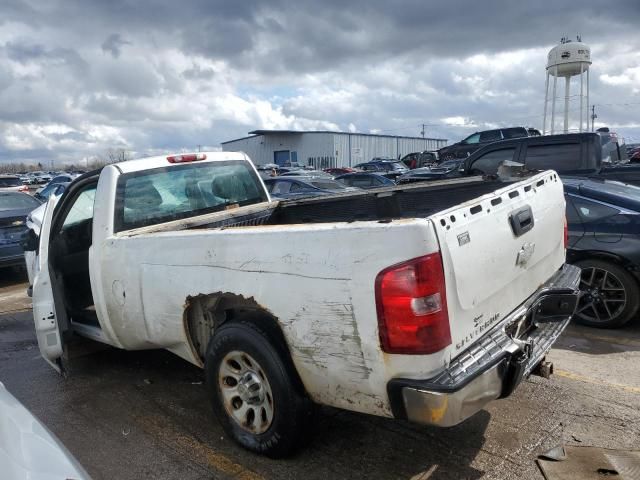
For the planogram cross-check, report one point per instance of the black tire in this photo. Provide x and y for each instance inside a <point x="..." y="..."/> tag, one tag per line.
<point x="610" y="296"/>
<point x="288" y="406"/>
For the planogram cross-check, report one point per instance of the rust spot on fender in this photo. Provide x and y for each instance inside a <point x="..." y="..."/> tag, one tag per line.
<point x="203" y="313"/>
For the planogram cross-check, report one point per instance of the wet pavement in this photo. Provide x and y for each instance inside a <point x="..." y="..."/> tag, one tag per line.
<point x="136" y="415"/>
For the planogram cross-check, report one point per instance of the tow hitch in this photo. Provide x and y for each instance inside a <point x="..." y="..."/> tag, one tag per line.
<point x="543" y="369"/>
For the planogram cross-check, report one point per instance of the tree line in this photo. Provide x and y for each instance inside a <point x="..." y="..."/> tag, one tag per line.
<point x="88" y="164"/>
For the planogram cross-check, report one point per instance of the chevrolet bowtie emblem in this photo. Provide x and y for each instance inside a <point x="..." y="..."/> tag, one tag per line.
<point x="525" y="254"/>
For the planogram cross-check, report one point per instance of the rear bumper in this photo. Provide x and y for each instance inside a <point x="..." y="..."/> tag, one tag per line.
<point x="495" y="365"/>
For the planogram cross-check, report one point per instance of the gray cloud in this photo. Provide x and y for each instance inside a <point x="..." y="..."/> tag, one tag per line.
<point x="196" y="72"/>
<point x="203" y="72"/>
<point x="113" y="44"/>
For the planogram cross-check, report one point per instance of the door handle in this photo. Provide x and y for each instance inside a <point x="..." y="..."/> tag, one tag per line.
<point x="521" y="220"/>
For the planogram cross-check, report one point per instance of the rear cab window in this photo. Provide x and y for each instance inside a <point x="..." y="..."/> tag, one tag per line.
<point x="514" y="132"/>
<point x="490" y="136"/>
<point x="150" y="197"/>
<point x="562" y="156"/>
<point x="488" y="163"/>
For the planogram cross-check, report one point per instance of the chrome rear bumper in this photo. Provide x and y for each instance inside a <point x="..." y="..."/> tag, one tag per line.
<point x="496" y="364"/>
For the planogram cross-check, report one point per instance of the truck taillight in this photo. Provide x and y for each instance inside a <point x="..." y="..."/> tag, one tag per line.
<point x="412" y="306"/>
<point x="187" y="157"/>
<point x="566" y="233"/>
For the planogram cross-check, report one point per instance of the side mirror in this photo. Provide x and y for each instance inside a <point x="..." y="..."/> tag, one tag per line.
<point x="30" y="241"/>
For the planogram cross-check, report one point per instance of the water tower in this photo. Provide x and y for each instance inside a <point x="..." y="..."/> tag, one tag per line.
<point x="567" y="60"/>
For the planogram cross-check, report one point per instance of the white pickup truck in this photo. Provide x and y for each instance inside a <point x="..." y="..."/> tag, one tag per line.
<point x="421" y="302"/>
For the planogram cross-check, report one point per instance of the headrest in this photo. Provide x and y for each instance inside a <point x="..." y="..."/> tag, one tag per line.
<point x="228" y="187"/>
<point x="141" y="194"/>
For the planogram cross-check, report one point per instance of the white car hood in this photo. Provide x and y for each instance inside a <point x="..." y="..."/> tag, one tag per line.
<point x="28" y="450"/>
<point x="34" y="219"/>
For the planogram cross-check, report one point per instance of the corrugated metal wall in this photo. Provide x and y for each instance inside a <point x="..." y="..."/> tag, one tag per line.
<point x="324" y="149"/>
<point x="365" y="147"/>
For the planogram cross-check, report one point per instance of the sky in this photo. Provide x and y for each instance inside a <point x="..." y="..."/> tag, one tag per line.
<point x="79" y="78"/>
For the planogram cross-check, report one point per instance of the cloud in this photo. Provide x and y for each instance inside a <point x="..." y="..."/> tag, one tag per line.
<point x="113" y="44"/>
<point x="80" y="77"/>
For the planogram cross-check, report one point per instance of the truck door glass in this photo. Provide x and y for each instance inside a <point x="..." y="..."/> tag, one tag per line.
<point x="475" y="138"/>
<point x="82" y="209"/>
<point x="488" y="163"/>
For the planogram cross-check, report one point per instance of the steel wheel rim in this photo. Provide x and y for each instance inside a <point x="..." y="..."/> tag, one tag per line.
<point x="603" y="295"/>
<point x="246" y="392"/>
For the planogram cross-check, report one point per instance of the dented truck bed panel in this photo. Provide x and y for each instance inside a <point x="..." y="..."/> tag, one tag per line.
<point x="314" y="272"/>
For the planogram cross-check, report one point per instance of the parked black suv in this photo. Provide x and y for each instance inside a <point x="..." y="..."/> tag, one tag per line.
<point x="568" y="154"/>
<point x="473" y="142"/>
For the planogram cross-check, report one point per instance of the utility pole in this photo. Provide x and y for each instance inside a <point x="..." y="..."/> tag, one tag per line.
<point x="593" y="116"/>
<point x="199" y="147"/>
<point x="422" y="132"/>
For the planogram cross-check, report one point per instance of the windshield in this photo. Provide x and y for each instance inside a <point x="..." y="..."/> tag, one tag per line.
<point x="17" y="201"/>
<point x="10" y="182"/>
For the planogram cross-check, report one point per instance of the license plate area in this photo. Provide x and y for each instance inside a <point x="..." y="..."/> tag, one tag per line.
<point x="549" y="308"/>
<point x="555" y="307"/>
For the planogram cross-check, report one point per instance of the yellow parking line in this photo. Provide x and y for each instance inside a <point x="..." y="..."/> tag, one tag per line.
<point x="192" y="448"/>
<point x="581" y="378"/>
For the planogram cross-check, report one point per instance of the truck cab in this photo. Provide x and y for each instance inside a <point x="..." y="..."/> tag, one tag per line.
<point x="66" y="280"/>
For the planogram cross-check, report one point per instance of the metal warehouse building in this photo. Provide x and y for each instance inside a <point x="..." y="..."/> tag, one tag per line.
<point x="324" y="149"/>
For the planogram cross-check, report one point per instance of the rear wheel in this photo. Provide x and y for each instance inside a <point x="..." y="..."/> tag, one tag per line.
<point x="609" y="295"/>
<point x="255" y="394"/>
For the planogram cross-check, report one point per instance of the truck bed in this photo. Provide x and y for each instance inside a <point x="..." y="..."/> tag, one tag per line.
<point x="382" y="204"/>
